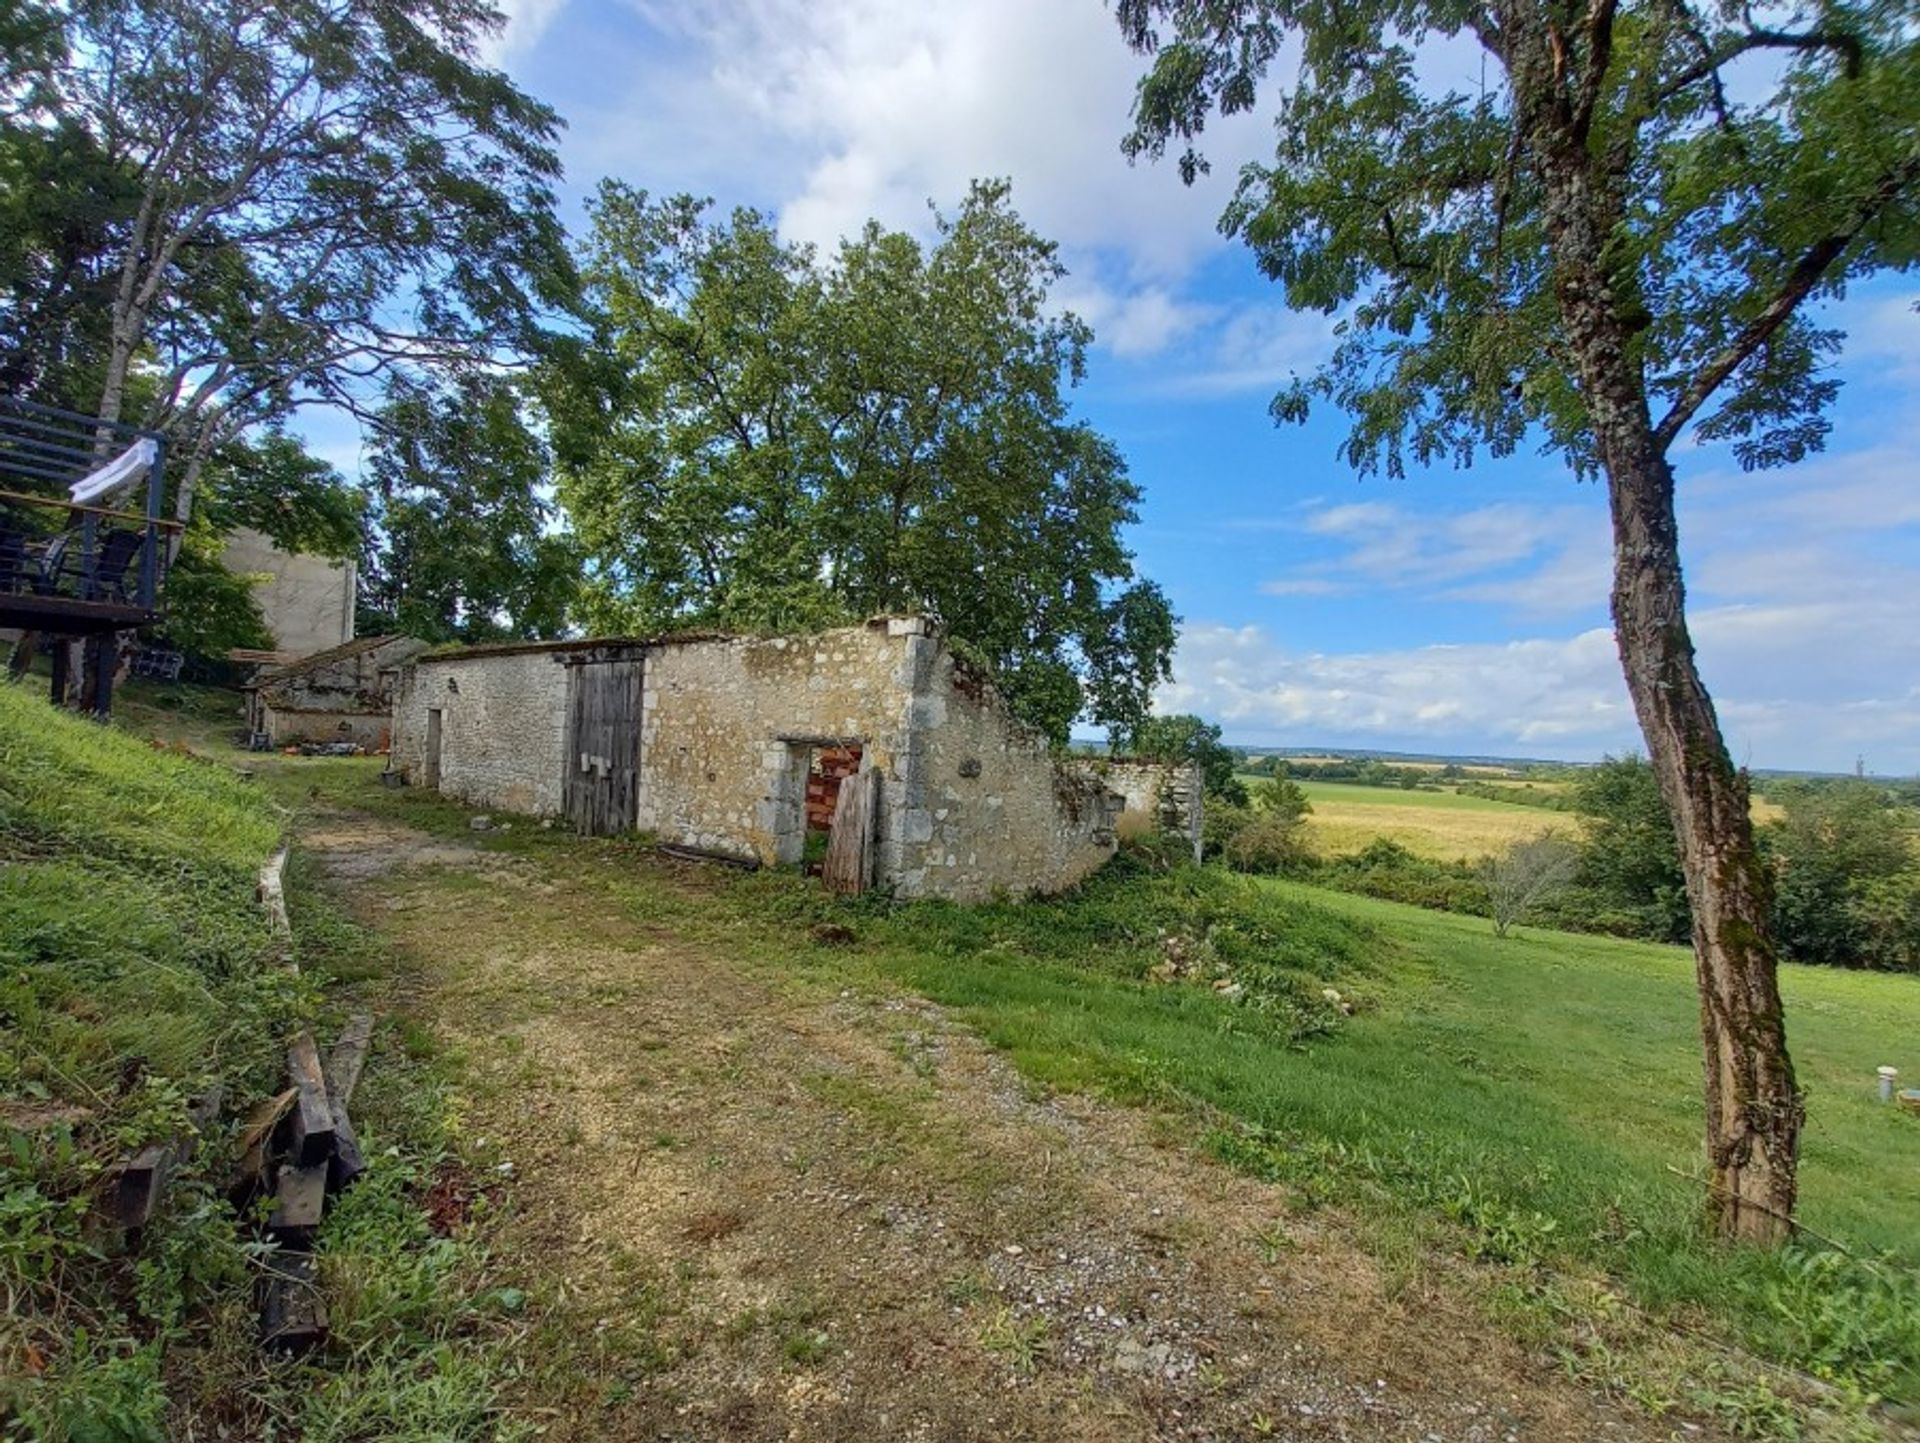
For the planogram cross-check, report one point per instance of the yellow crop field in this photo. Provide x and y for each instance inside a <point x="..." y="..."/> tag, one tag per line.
<point x="1443" y="825"/>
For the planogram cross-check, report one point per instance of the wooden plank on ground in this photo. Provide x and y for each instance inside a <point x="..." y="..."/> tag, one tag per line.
<point x="256" y="1132"/>
<point x="349" y="1055"/>
<point x="293" y="1316"/>
<point x="312" y="1131"/>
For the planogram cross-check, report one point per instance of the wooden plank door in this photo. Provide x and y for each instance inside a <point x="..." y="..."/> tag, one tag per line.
<point x="601" y="794"/>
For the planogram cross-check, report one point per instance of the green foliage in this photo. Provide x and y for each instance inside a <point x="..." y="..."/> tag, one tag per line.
<point x="462" y="544"/>
<point x="270" y="483"/>
<point x="1847" y="877"/>
<point x="1709" y="210"/>
<point x="757" y="437"/>
<point x="1629" y="857"/>
<point x="1387" y="870"/>
<point x="1265" y="837"/>
<point x="1527" y="876"/>
<point x="1187" y="738"/>
<point x="210" y="610"/>
<point x="1282" y="797"/>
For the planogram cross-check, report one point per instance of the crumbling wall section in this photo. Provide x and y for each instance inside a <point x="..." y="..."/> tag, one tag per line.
<point x="343" y="697"/>
<point x="985" y="808"/>
<point x="502" y="728"/>
<point x="1159" y="796"/>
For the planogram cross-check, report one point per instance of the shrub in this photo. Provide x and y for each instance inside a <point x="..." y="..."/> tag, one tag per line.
<point x="1528" y="874"/>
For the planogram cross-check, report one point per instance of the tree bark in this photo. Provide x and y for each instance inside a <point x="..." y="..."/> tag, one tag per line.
<point x="1754" y="1109"/>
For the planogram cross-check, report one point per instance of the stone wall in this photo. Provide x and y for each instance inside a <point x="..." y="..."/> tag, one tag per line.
<point x="502" y="726"/>
<point x="1158" y="796"/>
<point x="372" y="731"/>
<point x="307" y="601"/>
<point x="727" y="725"/>
<point x="983" y="807"/>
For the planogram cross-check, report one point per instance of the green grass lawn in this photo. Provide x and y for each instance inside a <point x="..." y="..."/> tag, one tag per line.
<point x="1599" y="1038"/>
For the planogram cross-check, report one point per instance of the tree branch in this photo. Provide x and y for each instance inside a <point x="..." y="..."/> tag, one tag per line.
<point x="1806" y="274"/>
<point x="1599" y="57"/>
<point x="1715" y="60"/>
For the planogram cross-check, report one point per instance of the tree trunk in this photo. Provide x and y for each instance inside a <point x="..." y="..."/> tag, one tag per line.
<point x="1753" y="1107"/>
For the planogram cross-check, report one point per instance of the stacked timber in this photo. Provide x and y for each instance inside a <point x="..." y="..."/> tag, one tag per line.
<point x="300" y="1149"/>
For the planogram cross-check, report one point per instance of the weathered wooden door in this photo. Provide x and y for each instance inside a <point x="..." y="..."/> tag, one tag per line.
<point x="601" y="794"/>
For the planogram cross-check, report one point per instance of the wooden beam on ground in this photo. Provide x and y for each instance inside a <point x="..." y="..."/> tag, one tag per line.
<point x="343" y="1068"/>
<point x="312" y="1133"/>
<point x="293" y="1316"/>
<point x="299" y="1200"/>
<point x="143" y="1179"/>
<point x="349" y="1055"/>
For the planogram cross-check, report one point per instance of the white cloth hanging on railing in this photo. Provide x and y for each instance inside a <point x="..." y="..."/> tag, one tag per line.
<point x="129" y="466"/>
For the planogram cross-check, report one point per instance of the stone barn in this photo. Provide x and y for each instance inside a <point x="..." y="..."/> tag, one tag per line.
<point x="343" y="694"/>
<point x="737" y="747"/>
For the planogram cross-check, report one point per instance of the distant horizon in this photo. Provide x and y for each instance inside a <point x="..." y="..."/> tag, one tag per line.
<point x="1486" y="758"/>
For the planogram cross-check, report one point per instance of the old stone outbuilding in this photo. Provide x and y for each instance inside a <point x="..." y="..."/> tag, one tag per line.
<point x="737" y="747"/>
<point x="343" y="694"/>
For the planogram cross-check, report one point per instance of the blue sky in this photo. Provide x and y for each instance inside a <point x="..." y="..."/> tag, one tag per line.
<point x="1458" y="611"/>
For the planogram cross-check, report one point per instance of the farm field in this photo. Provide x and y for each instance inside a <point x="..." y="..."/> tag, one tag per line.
<point x="1442" y="825"/>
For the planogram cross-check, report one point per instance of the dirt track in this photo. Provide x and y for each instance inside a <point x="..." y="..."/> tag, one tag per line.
<point x="759" y="1207"/>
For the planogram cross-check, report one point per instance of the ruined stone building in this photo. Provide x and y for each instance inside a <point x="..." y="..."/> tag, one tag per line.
<point x="343" y="694"/>
<point x="737" y="746"/>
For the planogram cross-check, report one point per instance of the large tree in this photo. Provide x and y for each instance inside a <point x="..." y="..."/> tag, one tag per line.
<point x="756" y="436"/>
<point x="1613" y="239"/>
<point x="245" y="206"/>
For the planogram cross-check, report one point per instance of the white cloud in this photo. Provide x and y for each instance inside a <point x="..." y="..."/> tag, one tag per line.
<point x="1260" y="348"/>
<point x="526" y="22"/>
<point x="834" y="112"/>
<point x="1305" y="586"/>
<point x="1796" y="686"/>
<point x="1559" y="694"/>
<point x="1142" y="322"/>
<point x="1459" y="556"/>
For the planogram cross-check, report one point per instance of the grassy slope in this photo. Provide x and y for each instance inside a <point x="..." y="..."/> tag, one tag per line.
<point x="1601" y="1037"/>
<point x="135" y="969"/>
<point x="1542" y="1090"/>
